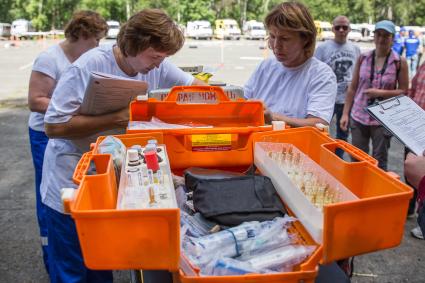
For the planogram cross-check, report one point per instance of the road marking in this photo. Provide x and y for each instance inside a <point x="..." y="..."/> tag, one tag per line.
<point x="251" y="58"/>
<point x="239" y="68"/>
<point x="25" y="66"/>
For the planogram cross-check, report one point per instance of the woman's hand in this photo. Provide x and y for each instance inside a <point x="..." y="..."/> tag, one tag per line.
<point x="373" y="92"/>
<point x="414" y="168"/>
<point x="343" y="123"/>
<point x="122" y="117"/>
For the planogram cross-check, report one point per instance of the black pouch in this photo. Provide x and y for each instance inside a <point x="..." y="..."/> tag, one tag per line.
<point x="230" y="200"/>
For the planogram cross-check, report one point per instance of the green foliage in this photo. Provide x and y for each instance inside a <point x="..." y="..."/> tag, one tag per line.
<point x="48" y="14"/>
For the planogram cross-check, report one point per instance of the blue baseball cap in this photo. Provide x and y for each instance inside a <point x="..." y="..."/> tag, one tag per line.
<point x="386" y="25"/>
<point x="402" y="29"/>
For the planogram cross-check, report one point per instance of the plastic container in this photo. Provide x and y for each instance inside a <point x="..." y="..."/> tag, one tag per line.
<point x="233" y="123"/>
<point x="290" y="188"/>
<point x="374" y="221"/>
<point x="149" y="239"/>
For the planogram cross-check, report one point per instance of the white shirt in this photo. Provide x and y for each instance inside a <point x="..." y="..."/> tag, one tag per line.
<point x="62" y="155"/>
<point x="309" y="89"/>
<point x="52" y="63"/>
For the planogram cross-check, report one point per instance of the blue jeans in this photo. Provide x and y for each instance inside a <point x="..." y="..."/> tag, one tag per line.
<point x="340" y="133"/>
<point x="38" y="141"/>
<point x="65" y="258"/>
<point x="412" y="63"/>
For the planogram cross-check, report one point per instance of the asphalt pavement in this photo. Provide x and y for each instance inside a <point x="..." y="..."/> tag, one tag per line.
<point x="231" y="61"/>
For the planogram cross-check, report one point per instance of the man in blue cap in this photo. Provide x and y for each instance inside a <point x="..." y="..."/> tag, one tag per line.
<point x="412" y="44"/>
<point x="398" y="44"/>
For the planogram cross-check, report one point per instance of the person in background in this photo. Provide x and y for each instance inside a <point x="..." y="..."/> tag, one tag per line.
<point x="417" y="94"/>
<point x="414" y="169"/>
<point x="378" y="74"/>
<point x="295" y="87"/>
<point x="143" y="44"/>
<point x="82" y="33"/>
<point x="340" y="55"/>
<point x="412" y="45"/>
<point x="398" y="43"/>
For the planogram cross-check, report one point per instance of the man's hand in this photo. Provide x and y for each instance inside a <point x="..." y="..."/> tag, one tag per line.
<point x="414" y="169"/>
<point x="343" y="123"/>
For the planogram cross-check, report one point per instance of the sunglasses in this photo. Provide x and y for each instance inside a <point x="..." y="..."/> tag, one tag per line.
<point x="344" y="28"/>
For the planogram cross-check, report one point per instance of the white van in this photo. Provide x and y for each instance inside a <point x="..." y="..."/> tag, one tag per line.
<point x="22" y="28"/>
<point x="199" y="30"/>
<point x="227" y="29"/>
<point x="254" y="30"/>
<point x="327" y="32"/>
<point x="113" y="29"/>
<point x="355" y="34"/>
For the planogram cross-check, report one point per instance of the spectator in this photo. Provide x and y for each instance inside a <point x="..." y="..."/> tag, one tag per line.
<point x="414" y="168"/>
<point x="378" y="74"/>
<point x="412" y="45"/>
<point x="82" y="33"/>
<point x="417" y="93"/>
<point x="398" y="43"/>
<point x="295" y="87"/>
<point x="340" y="55"/>
<point x="143" y="44"/>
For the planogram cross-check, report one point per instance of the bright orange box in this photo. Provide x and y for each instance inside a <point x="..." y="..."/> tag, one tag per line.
<point x="233" y="123"/>
<point x="149" y="239"/>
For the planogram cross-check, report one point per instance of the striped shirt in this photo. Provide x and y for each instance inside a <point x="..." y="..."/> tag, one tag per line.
<point x="417" y="92"/>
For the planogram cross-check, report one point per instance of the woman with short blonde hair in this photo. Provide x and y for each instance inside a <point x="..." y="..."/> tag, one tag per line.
<point x="295" y="87"/>
<point x="295" y="17"/>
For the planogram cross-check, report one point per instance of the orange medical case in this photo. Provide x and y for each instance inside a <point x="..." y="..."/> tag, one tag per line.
<point x="149" y="239"/>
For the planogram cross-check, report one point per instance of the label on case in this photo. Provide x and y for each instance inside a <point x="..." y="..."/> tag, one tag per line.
<point x="212" y="142"/>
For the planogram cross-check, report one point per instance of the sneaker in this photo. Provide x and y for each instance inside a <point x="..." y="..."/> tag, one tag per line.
<point x="417" y="233"/>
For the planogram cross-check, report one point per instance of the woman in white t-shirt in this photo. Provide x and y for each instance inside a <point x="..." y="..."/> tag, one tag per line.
<point x="143" y="44"/>
<point x="295" y="87"/>
<point x="82" y="33"/>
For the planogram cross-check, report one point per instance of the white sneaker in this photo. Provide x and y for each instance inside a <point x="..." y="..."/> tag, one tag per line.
<point x="417" y="233"/>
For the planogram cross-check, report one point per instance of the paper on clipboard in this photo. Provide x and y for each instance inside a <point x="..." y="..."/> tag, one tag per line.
<point x="404" y="119"/>
<point x="107" y="93"/>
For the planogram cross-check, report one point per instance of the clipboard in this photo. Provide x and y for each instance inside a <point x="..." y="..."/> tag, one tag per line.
<point x="402" y="117"/>
<point x="107" y="93"/>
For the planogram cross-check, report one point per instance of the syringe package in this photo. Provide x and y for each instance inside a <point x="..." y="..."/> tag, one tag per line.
<point x="146" y="180"/>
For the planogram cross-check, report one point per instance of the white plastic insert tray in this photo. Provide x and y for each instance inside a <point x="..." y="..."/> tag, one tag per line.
<point x="126" y="202"/>
<point x="308" y="214"/>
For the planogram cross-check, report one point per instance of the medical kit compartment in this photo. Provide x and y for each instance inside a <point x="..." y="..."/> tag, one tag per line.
<point x="120" y="239"/>
<point x="222" y="126"/>
<point x="150" y="238"/>
<point x="372" y="221"/>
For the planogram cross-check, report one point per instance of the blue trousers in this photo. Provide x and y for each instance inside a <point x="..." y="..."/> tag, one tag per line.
<point x="38" y="141"/>
<point x="65" y="258"/>
<point x="340" y="133"/>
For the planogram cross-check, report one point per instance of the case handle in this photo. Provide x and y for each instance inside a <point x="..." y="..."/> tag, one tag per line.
<point x="356" y="152"/>
<point x="82" y="167"/>
<point x="174" y="93"/>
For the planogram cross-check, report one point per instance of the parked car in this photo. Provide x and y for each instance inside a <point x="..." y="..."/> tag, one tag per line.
<point x="227" y="29"/>
<point x="22" y="28"/>
<point x="355" y="34"/>
<point x="324" y="30"/>
<point x="5" y="30"/>
<point x="199" y="30"/>
<point x="254" y="30"/>
<point x="113" y="29"/>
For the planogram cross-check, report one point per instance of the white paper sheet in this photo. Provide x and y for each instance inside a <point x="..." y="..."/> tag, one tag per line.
<point x="108" y="93"/>
<point x="405" y="119"/>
